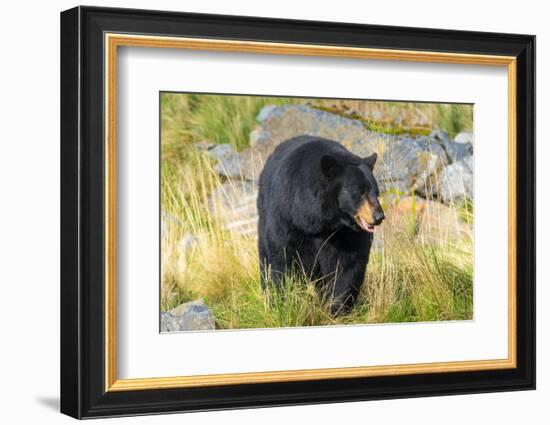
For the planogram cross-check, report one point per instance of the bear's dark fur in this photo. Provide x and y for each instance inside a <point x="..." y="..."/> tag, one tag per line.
<point x="318" y="205"/>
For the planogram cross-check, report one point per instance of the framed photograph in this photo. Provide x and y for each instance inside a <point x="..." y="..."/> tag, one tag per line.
<point x="261" y="212"/>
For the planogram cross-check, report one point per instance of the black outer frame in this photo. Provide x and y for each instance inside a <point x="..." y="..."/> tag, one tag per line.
<point x="82" y="212"/>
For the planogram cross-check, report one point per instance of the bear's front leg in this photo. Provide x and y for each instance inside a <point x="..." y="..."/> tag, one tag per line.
<point x="278" y="262"/>
<point x="343" y="286"/>
<point x="343" y="261"/>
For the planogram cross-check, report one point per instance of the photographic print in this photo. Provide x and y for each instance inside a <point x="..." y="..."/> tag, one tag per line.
<point x="290" y="212"/>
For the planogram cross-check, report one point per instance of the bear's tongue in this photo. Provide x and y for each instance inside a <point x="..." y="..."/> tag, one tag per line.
<point x="366" y="226"/>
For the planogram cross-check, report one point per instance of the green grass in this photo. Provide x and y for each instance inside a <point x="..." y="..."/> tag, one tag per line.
<point x="406" y="280"/>
<point x="454" y="118"/>
<point x="215" y="118"/>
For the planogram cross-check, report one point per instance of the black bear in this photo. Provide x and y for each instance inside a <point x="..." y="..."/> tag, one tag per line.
<point x="318" y="207"/>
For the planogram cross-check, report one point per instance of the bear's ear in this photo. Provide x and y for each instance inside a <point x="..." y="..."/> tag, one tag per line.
<point x="330" y="166"/>
<point x="371" y="160"/>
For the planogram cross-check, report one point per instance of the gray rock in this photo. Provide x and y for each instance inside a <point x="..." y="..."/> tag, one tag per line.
<point x="258" y="137"/>
<point x="205" y="145"/>
<point x="220" y="152"/>
<point x="191" y="316"/>
<point x="456" y="181"/>
<point x="455" y="151"/>
<point x="466" y="137"/>
<point x="265" y="112"/>
<point x="407" y="164"/>
<point x="458" y="151"/>
<point x="440" y="135"/>
<point x="230" y="166"/>
<point x="229" y="163"/>
<point x="255" y="135"/>
<point x="280" y="123"/>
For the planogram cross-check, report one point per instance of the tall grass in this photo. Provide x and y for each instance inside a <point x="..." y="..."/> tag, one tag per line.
<point x="454" y="118"/>
<point x="407" y="279"/>
<point x="189" y="118"/>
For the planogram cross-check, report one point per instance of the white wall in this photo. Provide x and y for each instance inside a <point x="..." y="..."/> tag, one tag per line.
<point x="29" y="224"/>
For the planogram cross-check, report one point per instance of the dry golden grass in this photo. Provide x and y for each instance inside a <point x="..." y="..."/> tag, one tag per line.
<point x="407" y="280"/>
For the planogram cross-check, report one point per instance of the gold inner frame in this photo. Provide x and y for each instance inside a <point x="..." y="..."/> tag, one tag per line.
<point x="113" y="41"/>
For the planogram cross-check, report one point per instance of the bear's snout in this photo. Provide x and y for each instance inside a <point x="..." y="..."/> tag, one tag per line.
<point x="377" y="212"/>
<point x="369" y="214"/>
<point x="378" y="216"/>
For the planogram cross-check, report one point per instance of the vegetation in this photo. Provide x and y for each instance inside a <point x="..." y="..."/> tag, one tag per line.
<point x="454" y="118"/>
<point x="407" y="279"/>
<point x="403" y="117"/>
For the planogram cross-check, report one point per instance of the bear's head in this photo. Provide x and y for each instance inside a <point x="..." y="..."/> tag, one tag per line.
<point x="355" y="189"/>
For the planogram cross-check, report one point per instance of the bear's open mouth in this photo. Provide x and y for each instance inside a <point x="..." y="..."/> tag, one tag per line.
<point x="364" y="225"/>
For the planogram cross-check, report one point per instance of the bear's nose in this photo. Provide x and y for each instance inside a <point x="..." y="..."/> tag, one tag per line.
<point x="378" y="217"/>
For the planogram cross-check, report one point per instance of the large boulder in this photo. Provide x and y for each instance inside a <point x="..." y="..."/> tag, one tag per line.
<point x="404" y="162"/>
<point x="279" y="123"/>
<point x="191" y="316"/>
